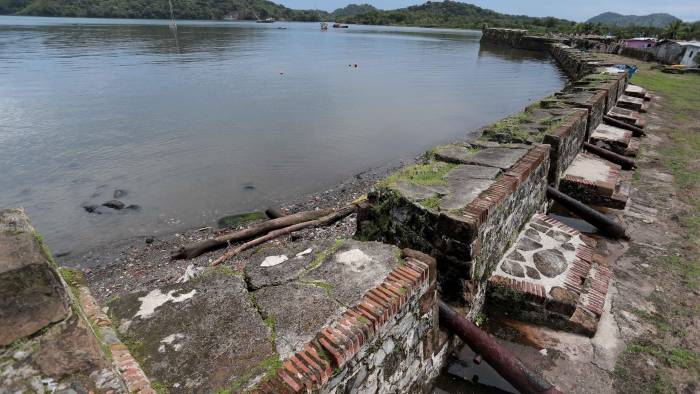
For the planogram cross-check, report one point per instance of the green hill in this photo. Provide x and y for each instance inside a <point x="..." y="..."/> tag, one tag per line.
<point x="150" y="9"/>
<point x="653" y="20"/>
<point x="443" y="14"/>
<point x="352" y="10"/>
<point x="452" y="14"/>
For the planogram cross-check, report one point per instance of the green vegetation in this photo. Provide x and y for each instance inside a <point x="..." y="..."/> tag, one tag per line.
<point x="183" y="9"/>
<point x="321" y="256"/>
<point x="614" y="19"/>
<point x="665" y="360"/>
<point x="426" y="174"/>
<point x="240" y="219"/>
<point x="454" y="14"/>
<point x="430" y="203"/>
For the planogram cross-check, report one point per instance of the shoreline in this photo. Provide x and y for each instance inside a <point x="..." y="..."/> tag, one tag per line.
<point x="138" y="262"/>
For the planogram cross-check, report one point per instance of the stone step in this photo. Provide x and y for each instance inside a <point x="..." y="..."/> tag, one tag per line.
<point x="628" y="116"/>
<point x="612" y="138"/>
<point x="633" y="147"/>
<point x="633" y="103"/>
<point x="637" y="91"/>
<point x="550" y="276"/>
<point x="593" y="180"/>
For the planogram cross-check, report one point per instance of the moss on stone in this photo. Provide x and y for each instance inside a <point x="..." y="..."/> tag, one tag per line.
<point x="321" y="256"/>
<point x="426" y="174"/>
<point x="430" y="203"/>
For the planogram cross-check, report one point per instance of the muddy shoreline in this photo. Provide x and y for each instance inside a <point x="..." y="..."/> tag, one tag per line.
<point x="142" y="262"/>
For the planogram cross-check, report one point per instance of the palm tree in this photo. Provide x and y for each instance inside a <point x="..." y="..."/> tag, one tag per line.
<point x="673" y="29"/>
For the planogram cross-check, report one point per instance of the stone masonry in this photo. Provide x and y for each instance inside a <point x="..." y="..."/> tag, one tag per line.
<point x="551" y="276"/>
<point x="46" y="342"/>
<point x="319" y="316"/>
<point x="448" y="205"/>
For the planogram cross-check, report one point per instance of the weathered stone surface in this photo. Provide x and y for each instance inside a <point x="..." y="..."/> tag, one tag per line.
<point x="414" y="191"/>
<point x="533" y="234"/>
<point x="559" y="236"/>
<point x="202" y="335"/>
<point x="532" y="273"/>
<point x="462" y="191"/>
<point x="503" y="158"/>
<point x="568" y="246"/>
<point x="298" y="311"/>
<point x="514" y="255"/>
<point x="513" y="268"/>
<point x="550" y="262"/>
<point x="31" y="293"/>
<point x="353" y="268"/>
<point x="526" y="245"/>
<point x="464" y="171"/>
<point x="455" y="153"/>
<point x="299" y="257"/>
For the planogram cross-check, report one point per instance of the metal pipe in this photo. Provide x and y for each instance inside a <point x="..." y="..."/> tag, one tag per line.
<point x="625" y="162"/>
<point x="603" y="223"/>
<point x="636" y="131"/>
<point x="502" y="360"/>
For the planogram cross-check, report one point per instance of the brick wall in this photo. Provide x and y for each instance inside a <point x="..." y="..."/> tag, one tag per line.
<point x="388" y="342"/>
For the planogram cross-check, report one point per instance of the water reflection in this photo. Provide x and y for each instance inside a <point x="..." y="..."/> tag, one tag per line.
<point x="89" y="106"/>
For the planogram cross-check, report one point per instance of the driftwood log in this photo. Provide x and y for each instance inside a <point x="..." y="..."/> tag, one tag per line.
<point x="199" y="248"/>
<point x="323" y="221"/>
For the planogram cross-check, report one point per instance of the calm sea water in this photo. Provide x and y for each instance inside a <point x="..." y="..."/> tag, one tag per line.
<point x="229" y="116"/>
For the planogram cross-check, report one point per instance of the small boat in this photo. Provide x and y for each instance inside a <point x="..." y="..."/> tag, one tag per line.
<point x="266" y="20"/>
<point x="324" y="26"/>
<point x="340" y="26"/>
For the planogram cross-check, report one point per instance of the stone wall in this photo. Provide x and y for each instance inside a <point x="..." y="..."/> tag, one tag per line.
<point x="575" y="63"/>
<point x="46" y="342"/>
<point x="415" y="207"/>
<point x="516" y="38"/>
<point x="388" y="342"/>
<point x="476" y="188"/>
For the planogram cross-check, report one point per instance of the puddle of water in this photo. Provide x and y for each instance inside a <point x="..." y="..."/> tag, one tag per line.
<point x="463" y="375"/>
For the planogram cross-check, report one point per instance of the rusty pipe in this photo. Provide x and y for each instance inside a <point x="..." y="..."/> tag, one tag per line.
<point x="603" y="223"/>
<point x="502" y="360"/>
<point x="636" y="131"/>
<point x="625" y="162"/>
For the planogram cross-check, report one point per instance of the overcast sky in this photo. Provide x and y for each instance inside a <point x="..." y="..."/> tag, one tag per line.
<point x="578" y="10"/>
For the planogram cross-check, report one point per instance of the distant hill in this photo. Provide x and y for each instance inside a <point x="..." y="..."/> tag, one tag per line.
<point x="152" y="9"/>
<point x="435" y="14"/>
<point x="353" y="9"/>
<point x="653" y="20"/>
<point x="451" y="14"/>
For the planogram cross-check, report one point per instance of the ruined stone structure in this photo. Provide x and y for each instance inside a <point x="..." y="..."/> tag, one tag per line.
<point x="471" y="203"/>
<point x="352" y="315"/>
<point x="47" y="344"/>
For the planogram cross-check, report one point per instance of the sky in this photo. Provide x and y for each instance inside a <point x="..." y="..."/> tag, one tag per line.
<point x="577" y="10"/>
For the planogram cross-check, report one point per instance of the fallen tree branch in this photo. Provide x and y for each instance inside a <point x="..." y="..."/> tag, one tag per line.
<point x="199" y="248"/>
<point x="323" y="221"/>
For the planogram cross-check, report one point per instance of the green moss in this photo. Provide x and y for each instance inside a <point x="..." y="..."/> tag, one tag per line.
<point x="319" y="283"/>
<point x="427" y="174"/>
<point x="320" y="257"/>
<point x="688" y="270"/>
<point x="363" y="320"/>
<point x="159" y="387"/>
<point x="240" y="219"/>
<point x="267" y="368"/>
<point x="72" y="276"/>
<point x="430" y="203"/>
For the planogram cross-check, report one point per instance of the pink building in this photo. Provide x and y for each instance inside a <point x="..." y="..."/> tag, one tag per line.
<point x="639" y="42"/>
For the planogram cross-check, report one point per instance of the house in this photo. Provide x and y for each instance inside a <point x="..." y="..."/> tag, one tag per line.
<point x="676" y="52"/>
<point x="639" y="42"/>
<point x="692" y="49"/>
